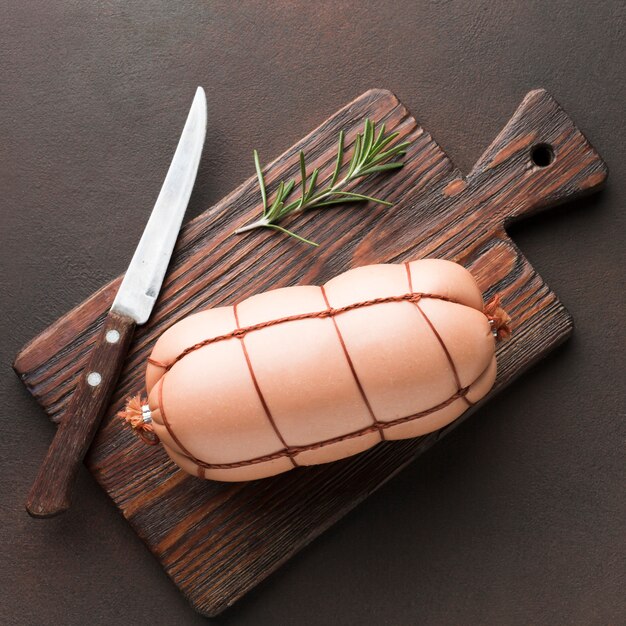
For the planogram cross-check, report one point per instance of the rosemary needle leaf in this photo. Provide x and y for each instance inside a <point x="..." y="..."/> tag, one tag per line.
<point x="381" y="132"/>
<point x="368" y="136"/>
<point x="338" y="201"/>
<point x="292" y="234"/>
<point x="385" y="167"/>
<point x="339" y="161"/>
<point x="259" y="174"/>
<point x="314" y="176"/>
<point x="358" y="149"/>
<point x="359" y="197"/>
<point x="383" y="156"/>
<point x="355" y="157"/>
<point x="288" y="188"/>
<point x="349" y="196"/>
<point x="302" y="177"/>
<point x="276" y="205"/>
<point x="383" y="144"/>
<point x="372" y="153"/>
<point x="280" y="192"/>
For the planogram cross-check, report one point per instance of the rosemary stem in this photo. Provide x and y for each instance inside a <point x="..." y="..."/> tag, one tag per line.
<point x="258" y="224"/>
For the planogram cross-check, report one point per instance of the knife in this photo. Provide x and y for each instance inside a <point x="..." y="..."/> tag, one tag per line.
<point x="51" y="491"/>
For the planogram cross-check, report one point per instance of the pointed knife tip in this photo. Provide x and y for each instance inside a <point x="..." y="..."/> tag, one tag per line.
<point x="200" y="106"/>
<point x="199" y="100"/>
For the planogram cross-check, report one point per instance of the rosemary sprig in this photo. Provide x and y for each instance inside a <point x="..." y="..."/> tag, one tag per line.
<point x="372" y="153"/>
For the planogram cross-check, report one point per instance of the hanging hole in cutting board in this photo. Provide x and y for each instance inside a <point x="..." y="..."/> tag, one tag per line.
<point x="542" y="155"/>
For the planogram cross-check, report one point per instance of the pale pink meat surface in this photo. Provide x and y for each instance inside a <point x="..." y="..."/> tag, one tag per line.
<point x="324" y="386"/>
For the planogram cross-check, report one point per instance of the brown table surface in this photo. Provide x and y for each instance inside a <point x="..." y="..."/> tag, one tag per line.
<point x="518" y="516"/>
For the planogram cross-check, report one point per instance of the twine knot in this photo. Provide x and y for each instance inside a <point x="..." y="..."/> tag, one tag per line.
<point x="498" y="318"/>
<point x="136" y="413"/>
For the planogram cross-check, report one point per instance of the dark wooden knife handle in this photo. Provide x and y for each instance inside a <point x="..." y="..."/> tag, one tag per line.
<point x="51" y="491"/>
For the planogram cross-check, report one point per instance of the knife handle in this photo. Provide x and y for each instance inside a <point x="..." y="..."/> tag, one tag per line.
<point x="51" y="491"/>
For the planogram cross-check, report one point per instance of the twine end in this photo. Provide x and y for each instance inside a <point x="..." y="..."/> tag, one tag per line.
<point x="499" y="318"/>
<point x="136" y="413"/>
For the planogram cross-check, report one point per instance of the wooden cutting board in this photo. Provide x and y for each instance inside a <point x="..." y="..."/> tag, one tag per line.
<point x="215" y="540"/>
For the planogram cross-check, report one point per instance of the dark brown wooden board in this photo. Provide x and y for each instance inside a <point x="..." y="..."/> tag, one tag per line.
<point x="217" y="540"/>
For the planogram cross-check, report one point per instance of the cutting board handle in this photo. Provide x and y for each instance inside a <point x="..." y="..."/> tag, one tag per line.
<point x="540" y="158"/>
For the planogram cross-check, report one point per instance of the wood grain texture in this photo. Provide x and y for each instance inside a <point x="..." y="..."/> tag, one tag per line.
<point x="217" y="540"/>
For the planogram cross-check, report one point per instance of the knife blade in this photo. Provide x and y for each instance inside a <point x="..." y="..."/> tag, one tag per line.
<point x="51" y="491"/>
